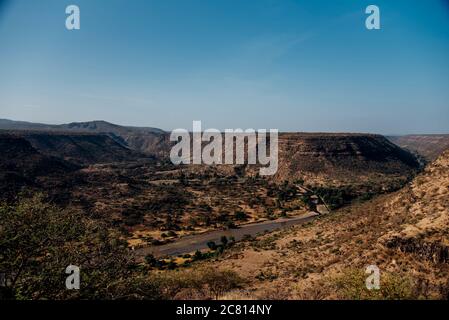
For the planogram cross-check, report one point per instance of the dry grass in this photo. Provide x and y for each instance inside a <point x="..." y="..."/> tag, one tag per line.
<point x="326" y="259"/>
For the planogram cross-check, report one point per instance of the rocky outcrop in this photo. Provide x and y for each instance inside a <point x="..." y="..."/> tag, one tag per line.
<point x="436" y="252"/>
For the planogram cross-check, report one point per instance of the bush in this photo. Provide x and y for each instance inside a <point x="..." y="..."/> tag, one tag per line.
<point x="208" y="283"/>
<point x="198" y="255"/>
<point x="230" y="225"/>
<point x="151" y="260"/>
<point x="219" y="282"/>
<point x="172" y="234"/>
<point x="240" y="216"/>
<point x="224" y="240"/>
<point x="39" y="240"/>
<point x="351" y="286"/>
<point x="211" y="245"/>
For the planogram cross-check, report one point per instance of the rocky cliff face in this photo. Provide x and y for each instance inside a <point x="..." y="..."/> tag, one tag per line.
<point x="342" y="158"/>
<point x="318" y="158"/>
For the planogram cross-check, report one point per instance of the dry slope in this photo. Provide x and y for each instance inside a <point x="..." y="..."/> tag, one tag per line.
<point x="405" y="234"/>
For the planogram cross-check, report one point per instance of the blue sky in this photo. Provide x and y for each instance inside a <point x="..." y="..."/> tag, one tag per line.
<point x="285" y="64"/>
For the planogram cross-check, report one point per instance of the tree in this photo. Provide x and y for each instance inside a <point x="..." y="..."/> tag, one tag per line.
<point x="198" y="255"/>
<point x="240" y="215"/>
<point x="39" y="240"/>
<point x="211" y="245"/>
<point x="230" y="225"/>
<point x="224" y="240"/>
<point x="219" y="282"/>
<point x="151" y="260"/>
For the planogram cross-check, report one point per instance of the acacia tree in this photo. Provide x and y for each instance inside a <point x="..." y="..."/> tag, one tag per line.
<point x="220" y="282"/>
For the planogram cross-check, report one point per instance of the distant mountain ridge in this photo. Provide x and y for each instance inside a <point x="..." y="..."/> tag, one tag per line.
<point x="98" y="126"/>
<point x="319" y="158"/>
<point x="150" y="141"/>
<point x="430" y="146"/>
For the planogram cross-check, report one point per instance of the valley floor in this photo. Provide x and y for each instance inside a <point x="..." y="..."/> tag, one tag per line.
<point x="405" y="234"/>
<point x="326" y="259"/>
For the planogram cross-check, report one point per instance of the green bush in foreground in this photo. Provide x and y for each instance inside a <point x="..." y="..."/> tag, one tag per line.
<point x="351" y="286"/>
<point x="206" y="283"/>
<point x="39" y="240"/>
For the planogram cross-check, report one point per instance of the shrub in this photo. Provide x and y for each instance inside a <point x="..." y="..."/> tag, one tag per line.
<point x="198" y="255"/>
<point x="171" y="233"/>
<point x="230" y="225"/>
<point x="151" y="260"/>
<point x="351" y="286"/>
<point x="39" y="240"/>
<point x="211" y="245"/>
<point x="210" y="283"/>
<point x="218" y="283"/>
<point x="240" y="216"/>
<point x="224" y="240"/>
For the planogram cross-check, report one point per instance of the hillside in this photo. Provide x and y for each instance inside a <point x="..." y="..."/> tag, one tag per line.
<point x="21" y="165"/>
<point x="151" y="141"/>
<point x="426" y="204"/>
<point x="80" y="148"/>
<point x="405" y="234"/>
<point x="352" y="160"/>
<point x="362" y="160"/>
<point x="430" y="146"/>
<point x="154" y="202"/>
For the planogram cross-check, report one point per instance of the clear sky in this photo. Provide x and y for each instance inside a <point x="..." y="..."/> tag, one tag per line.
<point x="286" y="64"/>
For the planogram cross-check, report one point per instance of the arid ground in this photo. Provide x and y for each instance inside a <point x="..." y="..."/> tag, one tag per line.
<point x="359" y="200"/>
